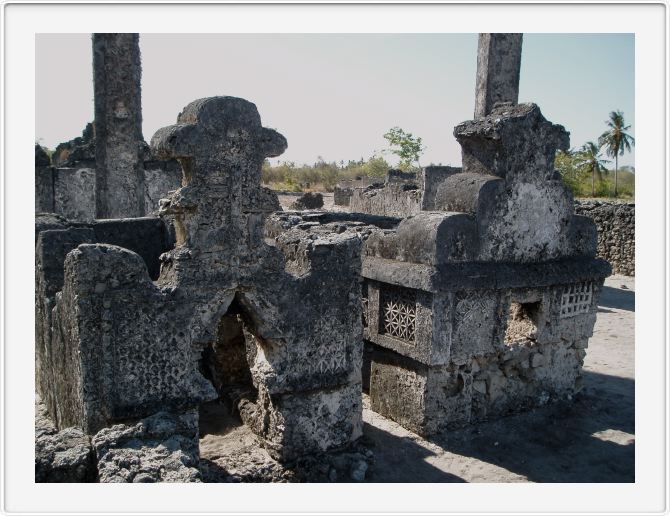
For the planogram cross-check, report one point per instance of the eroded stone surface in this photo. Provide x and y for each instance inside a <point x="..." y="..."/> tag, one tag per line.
<point x="160" y="448"/>
<point x="119" y="182"/>
<point x="308" y="201"/>
<point x="133" y="347"/>
<point x="616" y="232"/>
<point x="498" y="69"/>
<point x="64" y="456"/>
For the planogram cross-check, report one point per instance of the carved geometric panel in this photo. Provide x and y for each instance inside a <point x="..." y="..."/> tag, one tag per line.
<point x="576" y="299"/>
<point x="330" y="357"/>
<point x="397" y="312"/>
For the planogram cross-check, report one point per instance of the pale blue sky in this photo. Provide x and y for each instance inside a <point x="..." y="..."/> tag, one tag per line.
<point x="334" y="95"/>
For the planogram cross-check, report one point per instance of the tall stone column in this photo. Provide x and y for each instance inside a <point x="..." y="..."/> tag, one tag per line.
<point x="118" y="126"/>
<point x="498" y="67"/>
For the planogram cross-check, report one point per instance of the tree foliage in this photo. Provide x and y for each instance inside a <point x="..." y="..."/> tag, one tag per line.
<point x="321" y="176"/>
<point x="406" y="146"/>
<point x="589" y="161"/>
<point x="616" y="141"/>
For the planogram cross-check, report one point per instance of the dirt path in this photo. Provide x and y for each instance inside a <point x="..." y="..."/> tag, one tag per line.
<point x="590" y="439"/>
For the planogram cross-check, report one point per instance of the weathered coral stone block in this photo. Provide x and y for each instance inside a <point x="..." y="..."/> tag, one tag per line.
<point x="295" y="424"/>
<point x="74" y="193"/>
<point x="125" y="353"/>
<point x="421" y="398"/>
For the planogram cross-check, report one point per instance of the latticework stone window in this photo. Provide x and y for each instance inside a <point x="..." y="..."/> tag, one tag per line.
<point x="576" y="299"/>
<point x="397" y="312"/>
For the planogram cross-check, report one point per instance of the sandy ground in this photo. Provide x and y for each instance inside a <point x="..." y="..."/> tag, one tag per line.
<point x="591" y="439"/>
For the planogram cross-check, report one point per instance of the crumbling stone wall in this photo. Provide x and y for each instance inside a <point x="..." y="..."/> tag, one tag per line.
<point x="396" y="199"/>
<point x="68" y="187"/>
<point x="616" y="232"/>
<point x="55" y="238"/>
<point x="401" y="194"/>
<point x="123" y="347"/>
<point x="344" y="189"/>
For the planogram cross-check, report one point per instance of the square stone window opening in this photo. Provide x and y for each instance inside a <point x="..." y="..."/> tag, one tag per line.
<point x="522" y="322"/>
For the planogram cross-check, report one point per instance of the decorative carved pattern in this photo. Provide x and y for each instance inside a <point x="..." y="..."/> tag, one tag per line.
<point x="364" y="304"/>
<point x="330" y="358"/>
<point x="576" y="299"/>
<point x="397" y="314"/>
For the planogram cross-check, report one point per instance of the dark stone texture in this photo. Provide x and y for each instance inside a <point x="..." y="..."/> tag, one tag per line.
<point x="498" y="144"/>
<point x="465" y="191"/>
<point x="431" y="179"/>
<point x="344" y="189"/>
<point x="616" y="232"/>
<point x="498" y="68"/>
<point x="160" y="178"/>
<point x="120" y="190"/>
<point x="159" y="448"/>
<point x="431" y="238"/>
<point x="392" y="199"/>
<point x="44" y="221"/>
<point x="44" y="189"/>
<point x="41" y="157"/>
<point x="64" y="456"/>
<point x="146" y="236"/>
<point x="395" y="175"/>
<point x="77" y="153"/>
<point x="74" y="193"/>
<point x="308" y="201"/>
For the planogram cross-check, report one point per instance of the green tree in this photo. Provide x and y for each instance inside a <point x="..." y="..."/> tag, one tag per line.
<point x="616" y="141"/>
<point x="565" y="164"/>
<point x="588" y="160"/>
<point x="406" y="146"/>
<point x="376" y="166"/>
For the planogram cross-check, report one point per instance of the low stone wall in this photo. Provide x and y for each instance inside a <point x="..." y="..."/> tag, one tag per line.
<point x="70" y="191"/>
<point x="391" y="200"/>
<point x="616" y="232"/>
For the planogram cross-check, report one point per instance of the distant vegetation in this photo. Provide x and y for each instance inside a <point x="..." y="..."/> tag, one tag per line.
<point x="585" y="170"/>
<point x="321" y="176"/>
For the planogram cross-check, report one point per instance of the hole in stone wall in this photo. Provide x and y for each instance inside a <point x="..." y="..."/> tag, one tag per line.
<point x="522" y="322"/>
<point x="224" y="363"/>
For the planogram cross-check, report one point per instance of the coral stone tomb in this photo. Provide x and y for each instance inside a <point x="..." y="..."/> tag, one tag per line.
<point x="485" y="306"/>
<point x="280" y="321"/>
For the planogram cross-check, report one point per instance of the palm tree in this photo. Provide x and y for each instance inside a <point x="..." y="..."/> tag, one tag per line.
<point x="589" y="160"/>
<point x="616" y="140"/>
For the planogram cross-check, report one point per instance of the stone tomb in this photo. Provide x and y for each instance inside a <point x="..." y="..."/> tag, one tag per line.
<point x="486" y="306"/>
<point x="273" y="324"/>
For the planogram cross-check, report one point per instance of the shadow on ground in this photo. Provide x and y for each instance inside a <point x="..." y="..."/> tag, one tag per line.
<point x="617" y="298"/>
<point x="586" y="440"/>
